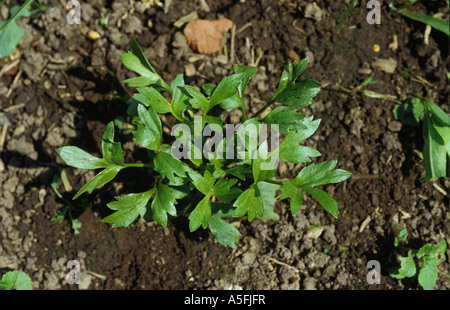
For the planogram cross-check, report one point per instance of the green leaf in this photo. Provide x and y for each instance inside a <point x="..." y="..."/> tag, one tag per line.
<point x="325" y="200"/>
<point x="261" y="168"/>
<point x="226" y="88"/>
<point x="428" y="273"/>
<point x="268" y="192"/>
<point x="288" y="119"/>
<point x="169" y="166"/>
<point x="156" y="100"/>
<point x="112" y="151"/>
<point x="139" y="81"/>
<point x="149" y="134"/>
<point x="407" y="267"/>
<point x="250" y="201"/>
<point x="76" y="157"/>
<point x="289" y="190"/>
<point x="225" y="233"/>
<point x="203" y="183"/>
<point x="17" y="280"/>
<point x="11" y="32"/>
<point x="163" y="203"/>
<point x="201" y="215"/>
<point x="225" y="191"/>
<point x="438" y="113"/>
<point x="105" y="176"/>
<point x="402" y="235"/>
<point x="444" y="133"/>
<point x="320" y="174"/>
<point x="247" y="72"/>
<point x="133" y="63"/>
<point x="128" y="208"/>
<point x="291" y="151"/>
<point x="198" y="101"/>
<point x="434" y="151"/>
<point x="239" y="171"/>
<point x="180" y="97"/>
<point x="300" y="94"/>
<point x="231" y="103"/>
<point x="140" y="54"/>
<point x="436" y="23"/>
<point x="410" y="112"/>
<point x="290" y="74"/>
<point x="435" y="251"/>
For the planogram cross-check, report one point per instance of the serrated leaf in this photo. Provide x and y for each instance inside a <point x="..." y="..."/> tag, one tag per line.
<point x="320" y="174"/>
<point x="293" y="153"/>
<point x="407" y="267"/>
<point x="434" y="151"/>
<point x="409" y="112"/>
<point x="105" y="176"/>
<point x="290" y="74"/>
<point x="155" y="99"/>
<point x="226" y="88"/>
<point x="17" y="280"/>
<point x="300" y="94"/>
<point x="225" y="233"/>
<point x="250" y="201"/>
<point x="198" y="101"/>
<point x="128" y="208"/>
<point x="169" y="166"/>
<point x="247" y="72"/>
<point x="325" y="200"/>
<point x="149" y="134"/>
<point x="163" y="203"/>
<point x="239" y="171"/>
<point x="76" y="157"/>
<point x="289" y="190"/>
<point x="225" y="191"/>
<point x="180" y="97"/>
<point x="268" y="192"/>
<point x="112" y="151"/>
<point x="203" y="183"/>
<point x="286" y="117"/>
<point x="435" y="251"/>
<point x="201" y="215"/>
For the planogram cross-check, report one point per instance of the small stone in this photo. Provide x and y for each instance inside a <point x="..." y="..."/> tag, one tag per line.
<point x="309" y="284"/>
<point x="248" y="258"/>
<point x="312" y="10"/>
<point x="85" y="281"/>
<point x="189" y="69"/>
<point x="395" y="126"/>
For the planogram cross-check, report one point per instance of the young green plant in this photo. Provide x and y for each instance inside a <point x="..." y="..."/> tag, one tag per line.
<point x="204" y="184"/>
<point x="420" y="263"/>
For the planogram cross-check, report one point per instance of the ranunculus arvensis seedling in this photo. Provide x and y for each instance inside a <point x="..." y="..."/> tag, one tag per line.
<point x="230" y="175"/>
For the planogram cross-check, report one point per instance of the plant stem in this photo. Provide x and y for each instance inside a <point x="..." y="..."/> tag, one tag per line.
<point x="273" y="182"/>
<point x="138" y="165"/>
<point x="264" y="108"/>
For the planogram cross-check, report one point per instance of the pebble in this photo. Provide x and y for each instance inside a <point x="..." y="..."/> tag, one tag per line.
<point x="205" y="36"/>
<point x="395" y="126"/>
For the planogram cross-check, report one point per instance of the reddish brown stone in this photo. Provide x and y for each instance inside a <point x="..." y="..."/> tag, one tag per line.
<point x="205" y="36"/>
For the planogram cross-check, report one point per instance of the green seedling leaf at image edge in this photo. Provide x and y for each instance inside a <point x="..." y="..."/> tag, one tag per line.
<point x="16" y="280"/>
<point x="11" y="32"/>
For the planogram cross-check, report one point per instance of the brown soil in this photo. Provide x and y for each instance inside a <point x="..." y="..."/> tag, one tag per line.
<point x="63" y="92"/>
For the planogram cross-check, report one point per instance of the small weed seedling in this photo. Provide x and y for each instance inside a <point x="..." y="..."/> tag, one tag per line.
<point x="196" y="170"/>
<point x="15" y="280"/>
<point x="421" y="263"/>
<point x="435" y="131"/>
